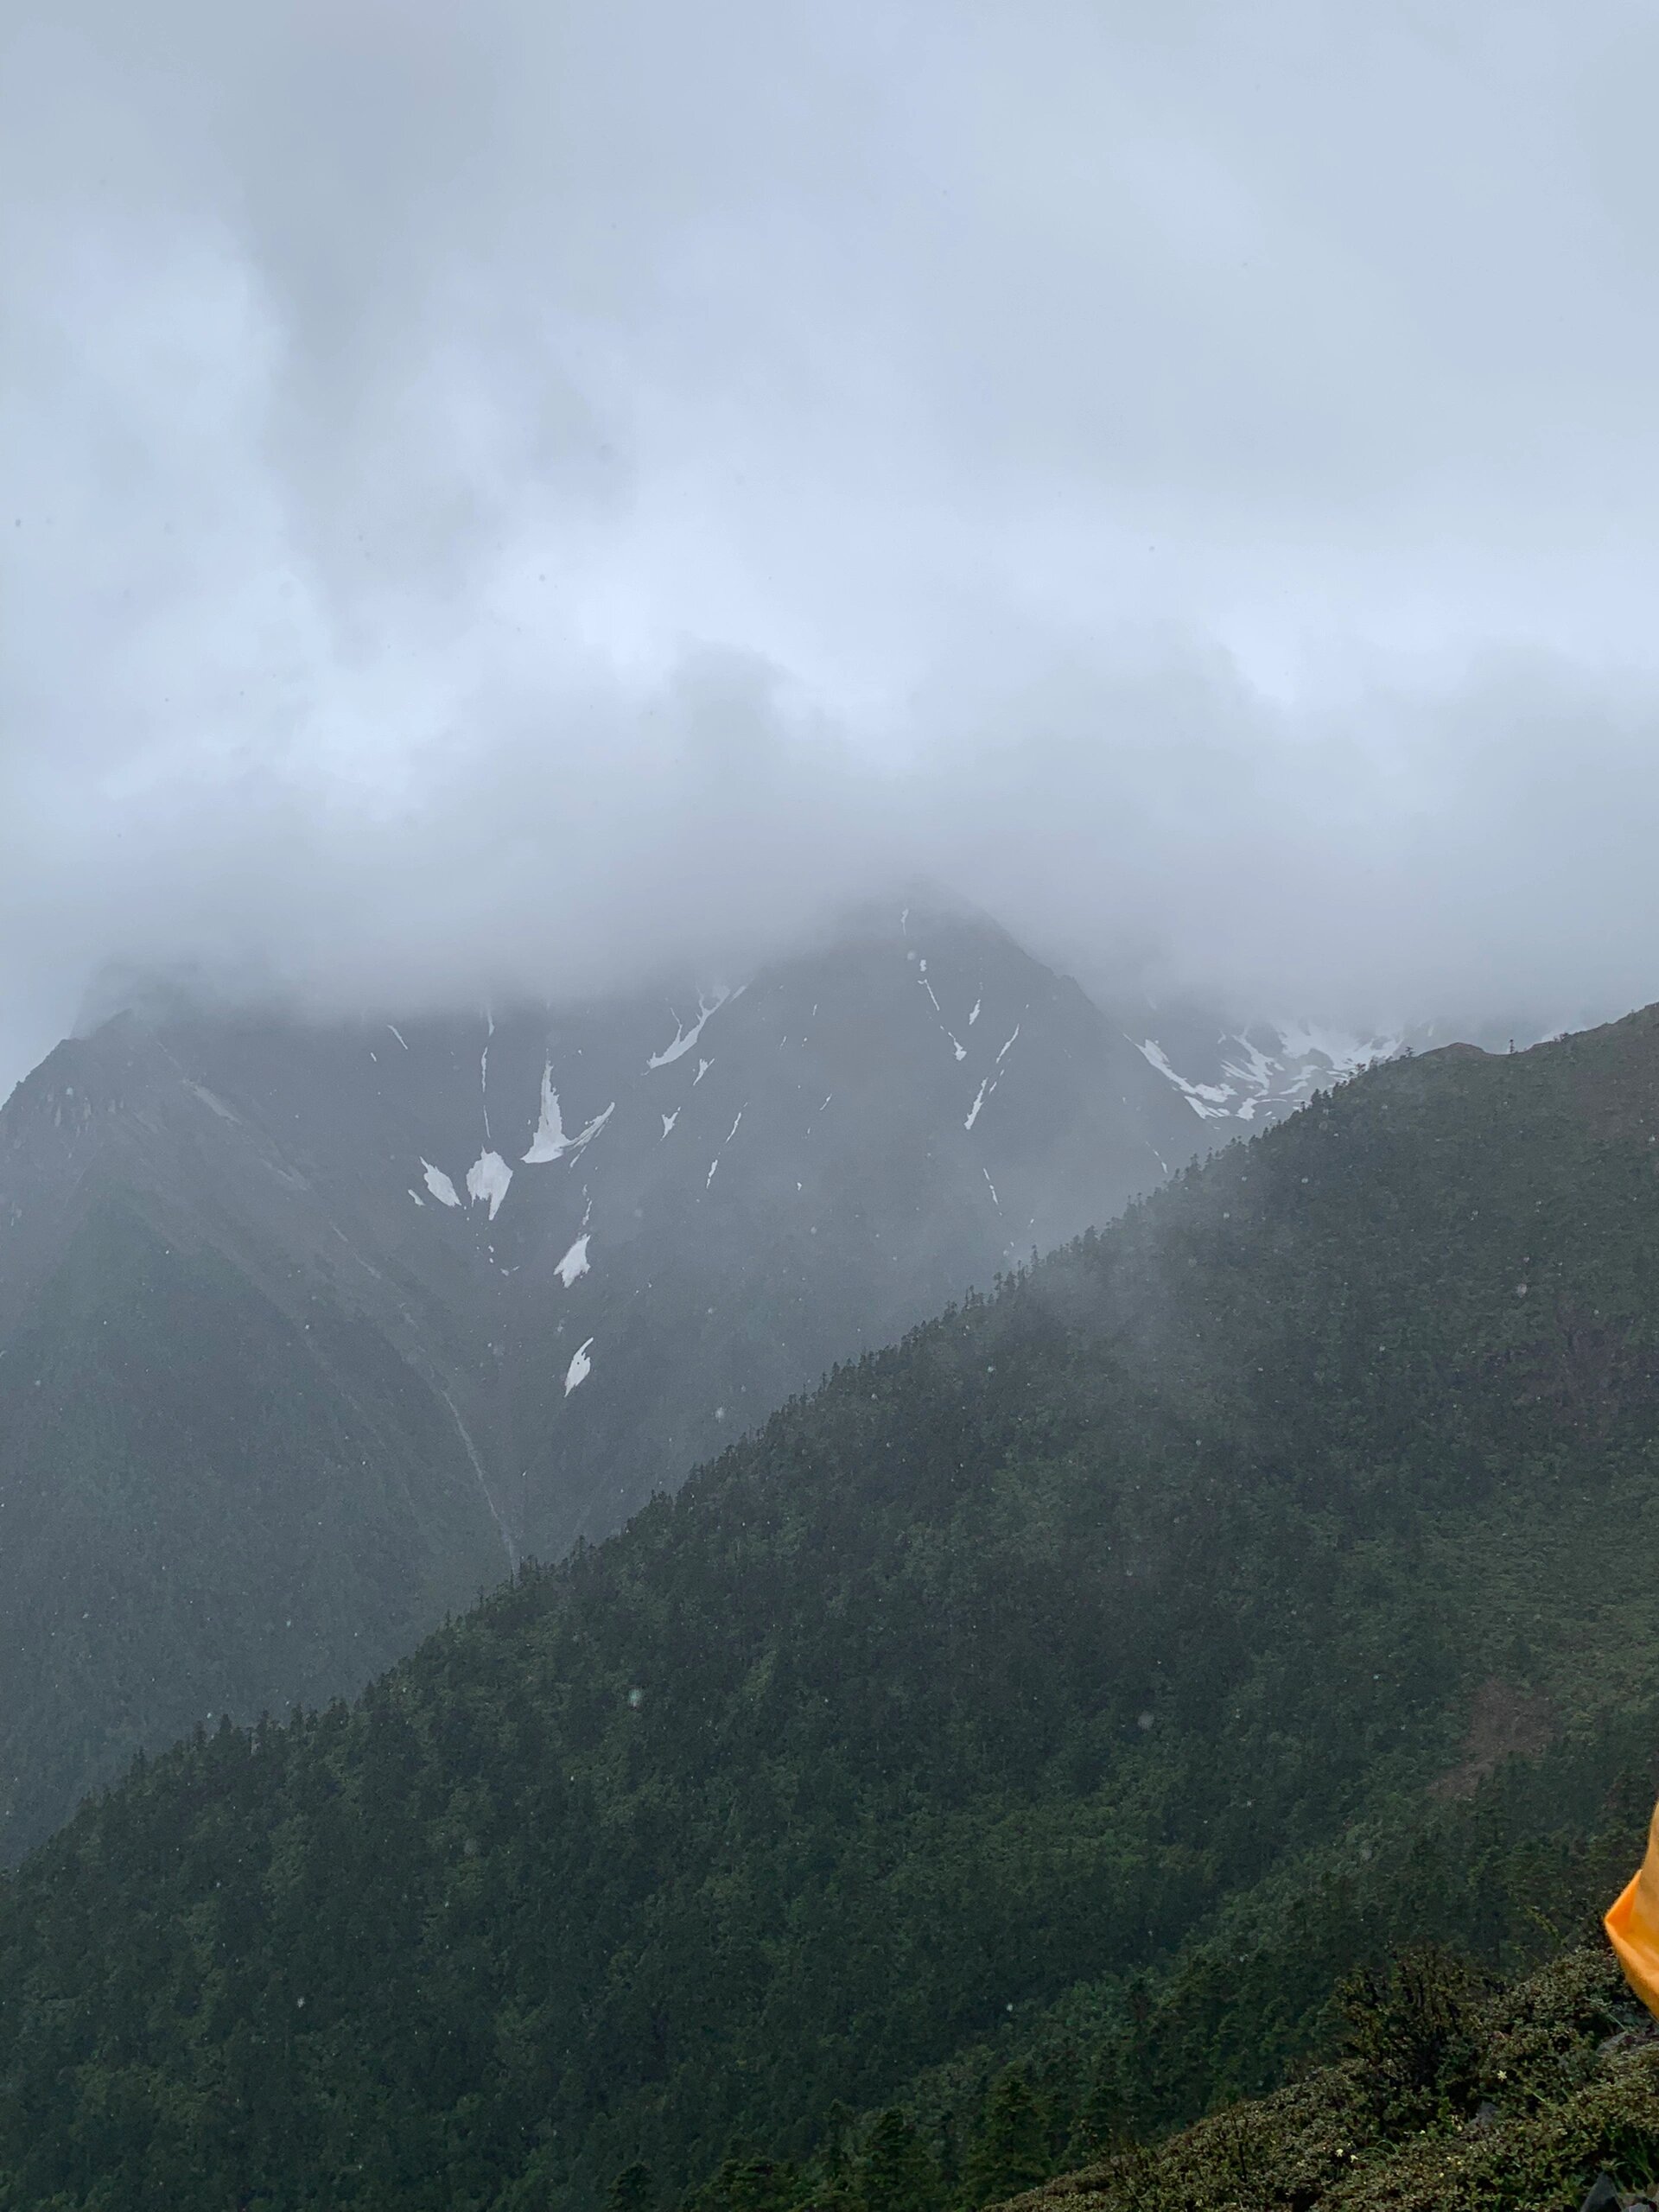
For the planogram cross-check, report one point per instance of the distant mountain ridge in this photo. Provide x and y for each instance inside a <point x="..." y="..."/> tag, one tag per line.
<point x="1253" y="1073"/>
<point x="308" y="1332"/>
<point x="1261" y="1072"/>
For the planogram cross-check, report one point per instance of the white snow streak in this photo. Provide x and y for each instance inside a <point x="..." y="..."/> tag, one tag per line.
<point x="1207" y="1100"/>
<point x="505" y="1533"/>
<point x="550" y="1141"/>
<point x="974" y="1016"/>
<point x="979" y="1100"/>
<point x="669" y="1120"/>
<point x="685" y="1039"/>
<point x="574" y="1264"/>
<point x="211" y="1098"/>
<point x="488" y="1178"/>
<point x="703" y="1067"/>
<point x="730" y="1134"/>
<point x="959" y="1050"/>
<point x="440" y="1185"/>
<point x="399" y="1035"/>
<point x="584" y="1137"/>
<point x="580" y="1368"/>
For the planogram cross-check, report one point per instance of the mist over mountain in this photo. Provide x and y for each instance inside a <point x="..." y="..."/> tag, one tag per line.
<point x="500" y="502"/>
<point x="827" y="1208"/>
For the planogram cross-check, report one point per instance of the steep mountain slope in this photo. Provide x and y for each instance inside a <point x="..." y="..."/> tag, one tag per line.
<point x="1175" y="1604"/>
<point x="308" y="1334"/>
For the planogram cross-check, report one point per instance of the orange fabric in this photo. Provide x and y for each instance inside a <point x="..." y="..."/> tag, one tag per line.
<point x="1633" y="1924"/>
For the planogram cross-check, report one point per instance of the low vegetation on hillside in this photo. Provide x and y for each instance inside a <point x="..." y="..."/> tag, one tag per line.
<point x="1451" y="2096"/>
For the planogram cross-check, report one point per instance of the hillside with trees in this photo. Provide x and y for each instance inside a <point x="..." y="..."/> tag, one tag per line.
<point x="999" y="1757"/>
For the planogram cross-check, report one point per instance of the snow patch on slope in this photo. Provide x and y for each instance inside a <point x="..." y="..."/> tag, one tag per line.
<point x="574" y="1264"/>
<point x="488" y="1178"/>
<point x="1269" y="1074"/>
<point x="502" y="1529"/>
<point x="211" y="1098"/>
<point x="1343" y="1053"/>
<point x="550" y="1141"/>
<point x="685" y="1039"/>
<point x="989" y="1083"/>
<point x="1207" y="1100"/>
<point x="960" y="1050"/>
<point x="440" y="1185"/>
<point x="580" y="1369"/>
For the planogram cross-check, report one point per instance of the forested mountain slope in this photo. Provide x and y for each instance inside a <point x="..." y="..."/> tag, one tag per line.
<point x="1143" y="1607"/>
<point x="308" y="1332"/>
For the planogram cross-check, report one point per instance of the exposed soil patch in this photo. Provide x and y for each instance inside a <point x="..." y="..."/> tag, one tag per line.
<point x="1505" y="1722"/>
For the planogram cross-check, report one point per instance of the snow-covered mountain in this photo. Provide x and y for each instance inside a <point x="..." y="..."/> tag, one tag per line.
<point x="307" y="1332"/>
<point x="1259" y="1073"/>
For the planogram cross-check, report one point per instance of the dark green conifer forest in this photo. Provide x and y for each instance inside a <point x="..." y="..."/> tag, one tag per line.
<point x="996" y="1761"/>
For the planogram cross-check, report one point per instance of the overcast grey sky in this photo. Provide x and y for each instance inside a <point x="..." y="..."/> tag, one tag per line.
<point x="497" y="496"/>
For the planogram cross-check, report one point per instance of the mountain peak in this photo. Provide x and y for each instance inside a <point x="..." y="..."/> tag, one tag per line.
<point x="491" y="1278"/>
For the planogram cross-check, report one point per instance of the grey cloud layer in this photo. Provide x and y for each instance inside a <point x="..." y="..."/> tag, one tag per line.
<point x="502" y="498"/>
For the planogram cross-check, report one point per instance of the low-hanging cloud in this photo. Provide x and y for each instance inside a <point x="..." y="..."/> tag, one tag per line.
<point x="507" y="499"/>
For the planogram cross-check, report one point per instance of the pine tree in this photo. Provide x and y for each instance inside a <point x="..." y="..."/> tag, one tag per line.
<point x="896" y="2174"/>
<point x="1007" y="2153"/>
<point x="634" y="2189"/>
<point x="835" y="2162"/>
<point x="745" y="2181"/>
<point x="1102" y="2125"/>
